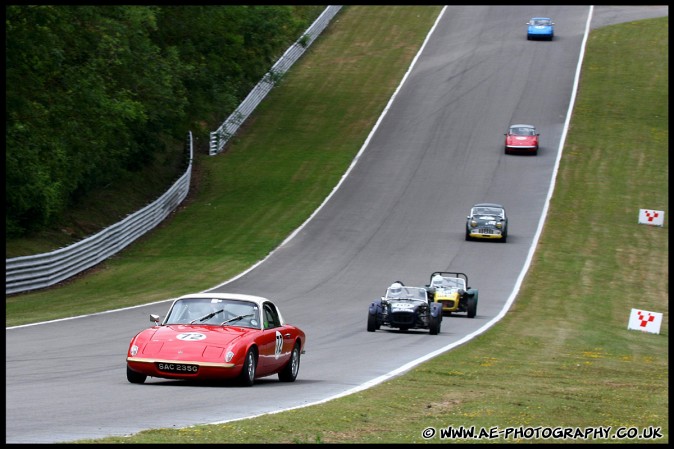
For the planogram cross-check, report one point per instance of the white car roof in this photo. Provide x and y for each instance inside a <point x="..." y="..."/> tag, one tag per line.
<point x="488" y="205"/>
<point x="240" y="296"/>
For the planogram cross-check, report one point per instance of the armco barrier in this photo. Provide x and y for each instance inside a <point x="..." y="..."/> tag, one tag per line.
<point x="220" y="137"/>
<point x="44" y="270"/>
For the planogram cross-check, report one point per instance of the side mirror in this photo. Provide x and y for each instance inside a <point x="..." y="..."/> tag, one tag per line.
<point x="154" y="319"/>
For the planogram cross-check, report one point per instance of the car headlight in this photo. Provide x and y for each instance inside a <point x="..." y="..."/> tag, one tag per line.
<point x="229" y="356"/>
<point x="499" y="225"/>
<point x="134" y="350"/>
<point x="473" y="223"/>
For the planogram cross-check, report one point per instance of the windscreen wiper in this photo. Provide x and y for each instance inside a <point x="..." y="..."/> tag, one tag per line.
<point x="236" y="318"/>
<point x="207" y="317"/>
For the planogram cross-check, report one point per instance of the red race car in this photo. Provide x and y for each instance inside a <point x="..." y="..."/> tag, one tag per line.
<point x="217" y="336"/>
<point x="521" y="138"/>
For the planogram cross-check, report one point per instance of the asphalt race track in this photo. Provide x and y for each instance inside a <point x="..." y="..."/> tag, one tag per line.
<point x="399" y="214"/>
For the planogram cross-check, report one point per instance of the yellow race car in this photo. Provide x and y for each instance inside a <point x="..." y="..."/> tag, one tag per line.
<point x="452" y="291"/>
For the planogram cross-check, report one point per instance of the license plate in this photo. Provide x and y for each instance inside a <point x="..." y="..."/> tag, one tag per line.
<point x="177" y="368"/>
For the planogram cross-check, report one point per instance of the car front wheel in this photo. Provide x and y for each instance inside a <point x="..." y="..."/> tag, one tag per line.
<point x="371" y="322"/>
<point x="471" y="305"/>
<point x="434" y="325"/>
<point x="134" y="377"/>
<point x="247" y="377"/>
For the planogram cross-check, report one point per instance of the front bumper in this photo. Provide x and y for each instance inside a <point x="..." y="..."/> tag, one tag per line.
<point x="535" y="35"/>
<point x="522" y="148"/>
<point x="485" y="233"/>
<point x="205" y="370"/>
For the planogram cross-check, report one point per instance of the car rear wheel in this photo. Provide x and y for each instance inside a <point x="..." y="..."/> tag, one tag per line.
<point x="289" y="372"/>
<point x="134" y="377"/>
<point x="247" y="377"/>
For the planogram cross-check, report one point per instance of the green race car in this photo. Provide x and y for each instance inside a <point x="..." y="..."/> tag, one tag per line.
<point x="487" y="221"/>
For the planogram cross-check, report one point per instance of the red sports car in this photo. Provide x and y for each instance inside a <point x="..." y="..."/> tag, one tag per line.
<point x="216" y="336"/>
<point x="521" y="138"/>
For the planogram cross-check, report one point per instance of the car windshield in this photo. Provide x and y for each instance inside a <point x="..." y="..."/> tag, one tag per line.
<point x="214" y="311"/>
<point x="453" y="283"/>
<point x="522" y="131"/>
<point x="417" y="293"/>
<point x="487" y="211"/>
<point x="540" y="22"/>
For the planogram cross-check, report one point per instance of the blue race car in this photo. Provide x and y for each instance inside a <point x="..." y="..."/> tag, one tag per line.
<point x="540" y="28"/>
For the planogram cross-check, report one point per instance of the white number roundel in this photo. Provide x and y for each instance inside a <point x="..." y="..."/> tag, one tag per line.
<point x="191" y="336"/>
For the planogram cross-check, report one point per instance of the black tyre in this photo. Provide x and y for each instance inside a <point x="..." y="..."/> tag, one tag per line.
<point x="471" y="305"/>
<point x="289" y="372"/>
<point x="247" y="376"/>
<point x="134" y="377"/>
<point x="467" y="236"/>
<point x="371" y="322"/>
<point x="434" y="325"/>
